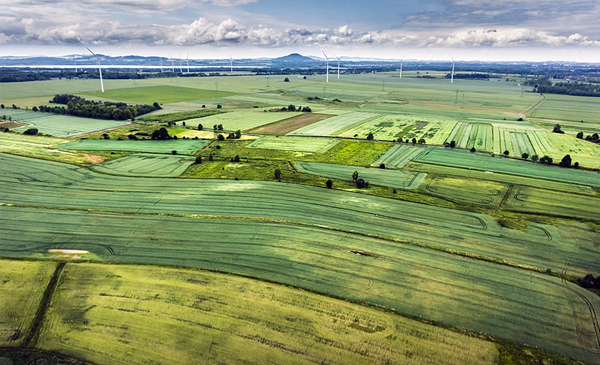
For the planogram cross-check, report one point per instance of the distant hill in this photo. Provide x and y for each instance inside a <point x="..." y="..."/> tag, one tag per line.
<point x="293" y="58"/>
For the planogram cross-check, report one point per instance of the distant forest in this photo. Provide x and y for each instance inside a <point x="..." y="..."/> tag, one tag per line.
<point x="545" y="86"/>
<point x="80" y="107"/>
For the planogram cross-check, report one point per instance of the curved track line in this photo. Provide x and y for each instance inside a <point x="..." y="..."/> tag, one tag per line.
<point x="588" y="303"/>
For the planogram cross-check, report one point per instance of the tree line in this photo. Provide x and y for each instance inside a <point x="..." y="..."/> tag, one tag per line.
<point x="545" y="86"/>
<point x="80" y="107"/>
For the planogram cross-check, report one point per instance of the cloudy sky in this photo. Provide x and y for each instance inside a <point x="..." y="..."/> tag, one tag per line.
<point x="426" y="29"/>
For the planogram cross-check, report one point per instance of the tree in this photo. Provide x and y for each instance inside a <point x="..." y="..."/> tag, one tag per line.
<point x="156" y="106"/>
<point x="35" y="109"/>
<point x="361" y="183"/>
<point x="219" y="106"/>
<point x="287" y="79"/>
<point x="506" y="153"/>
<point x="580" y="135"/>
<point x="452" y="144"/>
<point x="200" y="127"/>
<point x="1" y="106"/>
<point x="354" y="176"/>
<point x="160" y="134"/>
<point x="198" y="159"/>
<point x="220" y="137"/>
<point x="132" y="137"/>
<point x="557" y="129"/>
<point x="546" y="160"/>
<point x="215" y="127"/>
<point x="236" y="158"/>
<point x="535" y="158"/>
<point x="220" y="127"/>
<point x="291" y="108"/>
<point x="174" y="152"/>
<point x="15" y="107"/>
<point x="329" y="184"/>
<point x="525" y="155"/>
<point x="422" y="141"/>
<point x="566" y="161"/>
<point x="306" y="109"/>
<point x="183" y="124"/>
<point x="370" y="136"/>
<point x="473" y="149"/>
<point x="277" y="174"/>
<point x="414" y="140"/>
<point x="382" y="166"/>
<point x="105" y="136"/>
<point x="238" y="134"/>
<point x="576" y="165"/>
<point x="31" y="132"/>
<point x="210" y="157"/>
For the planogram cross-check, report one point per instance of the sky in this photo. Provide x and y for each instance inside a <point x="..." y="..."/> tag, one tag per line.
<point x="501" y="30"/>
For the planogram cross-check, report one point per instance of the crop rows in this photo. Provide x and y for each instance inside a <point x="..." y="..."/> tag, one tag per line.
<point x="398" y="156"/>
<point x="300" y="144"/>
<point x="187" y="146"/>
<point x="333" y="126"/>
<point x="243" y="120"/>
<point x="146" y="165"/>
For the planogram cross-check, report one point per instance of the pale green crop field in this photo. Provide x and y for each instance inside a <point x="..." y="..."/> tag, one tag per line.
<point x="146" y="165"/>
<point x="160" y="94"/>
<point x="398" y="156"/>
<point x="245" y="120"/>
<point x="300" y="144"/>
<point x="568" y="108"/>
<point x="182" y="146"/>
<point x="376" y="176"/>
<point x="334" y="125"/>
<point x="39" y="147"/>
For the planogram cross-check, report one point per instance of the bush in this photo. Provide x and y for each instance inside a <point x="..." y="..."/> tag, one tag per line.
<point x="361" y="183"/>
<point x="277" y="174"/>
<point x="31" y="132"/>
<point x="506" y="153"/>
<point x="174" y="152"/>
<point x="580" y="135"/>
<point x="473" y="149"/>
<point x="219" y="106"/>
<point x="452" y="144"/>
<point x="210" y="157"/>
<point x="306" y="109"/>
<point x="525" y="155"/>
<point x="200" y="127"/>
<point x="218" y="147"/>
<point x="287" y="79"/>
<point x="566" y="161"/>
<point x="220" y="138"/>
<point x="329" y="184"/>
<point x="382" y="166"/>
<point x="236" y="158"/>
<point x="132" y="136"/>
<point x="370" y="136"/>
<point x="105" y="136"/>
<point x="535" y="158"/>
<point x="198" y="159"/>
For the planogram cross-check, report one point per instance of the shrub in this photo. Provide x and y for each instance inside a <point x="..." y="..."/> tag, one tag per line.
<point x="174" y="152"/>
<point x="198" y="159"/>
<point x="132" y="136"/>
<point x="277" y="174"/>
<point x="361" y="183"/>
<point x="473" y="149"/>
<point x="236" y="158"/>
<point x="287" y="79"/>
<point x="370" y="136"/>
<point x="219" y="106"/>
<point x="329" y="184"/>
<point x="382" y="166"/>
<point x="452" y="144"/>
<point x="31" y="132"/>
<point x="220" y="138"/>
<point x="525" y="155"/>
<point x="200" y="127"/>
<point x="105" y="136"/>
<point x="210" y="157"/>
<point x="535" y="158"/>
<point x="506" y="153"/>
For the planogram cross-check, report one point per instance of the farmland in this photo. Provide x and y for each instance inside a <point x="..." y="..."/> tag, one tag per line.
<point x="391" y="178"/>
<point x="146" y="165"/>
<point x="61" y="125"/>
<point x="501" y="263"/>
<point x="299" y="144"/>
<point x="245" y="120"/>
<point x="187" y="146"/>
<point x="480" y="162"/>
<point x="162" y="94"/>
<point x="235" y="318"/>
<point x="23" y="284"/>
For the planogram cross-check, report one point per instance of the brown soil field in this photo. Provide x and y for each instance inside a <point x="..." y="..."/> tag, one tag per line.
<point x="291" y="124"/>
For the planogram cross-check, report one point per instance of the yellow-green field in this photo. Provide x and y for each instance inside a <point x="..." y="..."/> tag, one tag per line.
<point x="139" y="315"/>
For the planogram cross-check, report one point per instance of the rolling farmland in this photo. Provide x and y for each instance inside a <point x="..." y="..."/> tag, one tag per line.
<point x="334" y="125"/>
<point x="236" y="318"/>
<point x="146" y="165"/>
<point x="376" y="176"/>
<point x="161" y="94"/>
<point x="245" y="120"/>
<point x="187" y="146"/>
<point x="398" y="156"/>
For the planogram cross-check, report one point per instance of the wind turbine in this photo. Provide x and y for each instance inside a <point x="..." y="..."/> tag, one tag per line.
<point x="338" y="66"/>
<point x="172" y="63"/>
<point x="188" y="62"/>
<point x="327" y="58"/>
<point x="161" y="66"/>
<point x="180" y="67"/>
<point x="231" y="60"/>
<point x="99" y="69"/>
<point x="401" y="64"/>
<point x="452" y="74"/>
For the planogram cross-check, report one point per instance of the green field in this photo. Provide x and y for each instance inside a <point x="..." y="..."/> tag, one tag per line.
<point x="375" y="176"/>
<point x="21" y="290"/>
<point x="398" y="156"/>
<point x="161" y="94"/>
<point x="464" y="159"/>
<point x="480" y="192"/>
<point x="39" y="147"/>
<point x="333" y="126"/>
<point x="105" y="309"/>
<point x="243" y="120"/>
<point x="146" y="165"/>
<point x="569" y="108"/>
<point x="60" y="125"/>
<point x="299" y="144"/>
<point x="182" y="146"/>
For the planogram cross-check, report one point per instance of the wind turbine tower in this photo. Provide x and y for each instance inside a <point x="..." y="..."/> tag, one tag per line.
<point x="338" y="66"/>
<point x="231" y="62"/>
<point x="99" y="69"/>
<point x="401" y="64"/>
<point x="452" y="74"/>
<point x="172" y="63"/>
<point x="180" y="67"/>
<point x="188" y="62"/>
<point x="327" y="73"/>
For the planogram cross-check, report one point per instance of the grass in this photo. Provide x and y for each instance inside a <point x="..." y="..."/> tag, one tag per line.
<point x="376" y="176"/>
<point x="146" y="165"/>
<point x="23" y="285"/>
<point x="101" y="314"/>
<point x="182" y="146"/>
<point x="481" y="162"/>
<point x="299" y="144"/>
<point x="62" y="125"/>
<point x="161" y="94"/>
